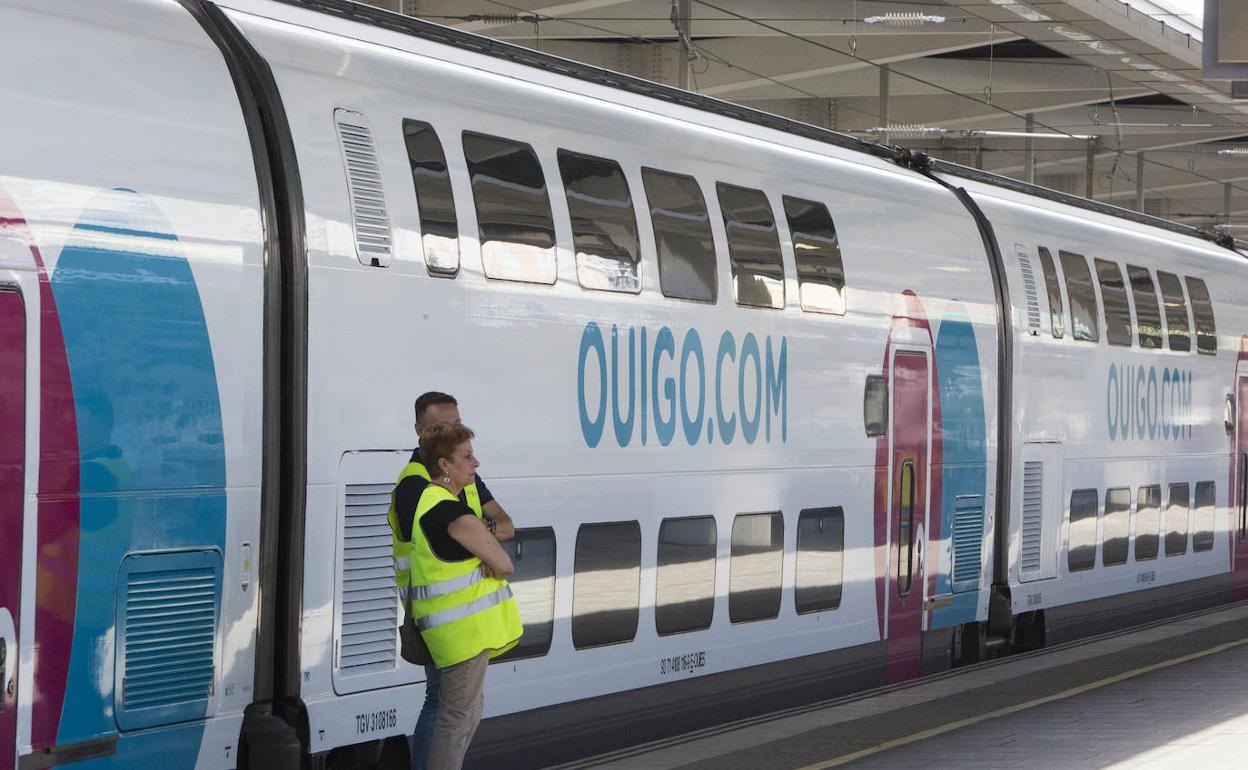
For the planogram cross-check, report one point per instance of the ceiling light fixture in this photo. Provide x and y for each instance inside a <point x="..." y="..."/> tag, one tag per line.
<point x="906" y="19"/>
<point x="1023" y="10"/>
<point x="1234" y="152"/>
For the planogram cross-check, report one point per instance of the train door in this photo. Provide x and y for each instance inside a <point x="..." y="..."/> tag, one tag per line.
<point x="1239" y="528"/>
<point x="12" y="495"/>
<point x="911" y="434"/>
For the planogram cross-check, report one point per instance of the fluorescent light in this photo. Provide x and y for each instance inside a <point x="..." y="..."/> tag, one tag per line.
<point x="1023" y="10"/>
<point x="1072" y="34"/>
<point x="905" y="19"/>
<point x="1234" y="152"/>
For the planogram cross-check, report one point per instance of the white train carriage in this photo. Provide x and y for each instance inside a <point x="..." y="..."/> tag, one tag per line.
<point x="779" y="415"/>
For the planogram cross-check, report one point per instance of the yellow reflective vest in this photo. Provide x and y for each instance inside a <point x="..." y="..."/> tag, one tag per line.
<point x="400" y="545"/>
<point x="460" y="612"/>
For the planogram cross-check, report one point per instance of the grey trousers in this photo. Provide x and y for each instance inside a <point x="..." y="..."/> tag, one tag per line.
<point x="459" y="712"/>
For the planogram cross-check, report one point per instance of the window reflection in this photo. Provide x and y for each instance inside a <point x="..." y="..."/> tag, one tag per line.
<point x="439" y="227"/>
<point x="685" y="599"/>
<point x="604" y="227"/>
<point x="755" y="567"/>
<point x="820" y="559"/>
<point x="532" y="551"/>
<point x="513" y="210"/>
<point x="607" y="583"/>
<point x="753" y="246"/>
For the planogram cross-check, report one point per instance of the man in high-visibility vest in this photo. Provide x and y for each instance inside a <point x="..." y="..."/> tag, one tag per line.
<point x="433" y="408"/>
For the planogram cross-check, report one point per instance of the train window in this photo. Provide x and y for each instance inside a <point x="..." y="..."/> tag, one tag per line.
<point x="753" y="246"/>
<point x="1202" y="309"/>
<point x="1147" y="311"/>
<point x="1057" y="324"/>
<point x="685" y="598"/>
<point x="1243" y="496"/>
<point x="754" y="572"/>
<point x="532" y="551"/>
<point x="820" y="559"/>
<point x="606" y="585"/>
<point x="820" y="273"/>
<point x="682" y="234"/>
<point x="517" y="233"/>
<point x="1114" y="296"/>
<point x="1116" y="529"/>
<point x="1083" y="315"/>
<point x="439" y="227"/>
<point x="604" y="225"/>
<point x="1178" y="336"/>
<point x="1147" y="522"/>
<point x="1176" y="520"/>
<point x="905" y="529"/>
<point x="1203" y="514"/>
<point x="1081" y="546"/>
<point x="875" y="405"/>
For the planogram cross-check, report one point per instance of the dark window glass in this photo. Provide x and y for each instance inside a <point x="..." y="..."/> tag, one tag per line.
<point x="1203" y="516"/>
<point x="755" y="570"/>
<point x="1114" y="296"/>
<point x="820" y="559"/>
<point x="1083" y="314"/>
<point x="1116" y="528"/>
<point x="686" y="578"/>
<point x="1081" y="548"/>
<point x="753" y="246"/>
<point x="1147" y="311"/>
<point x="1054" y="289"/>
<point x="1176" y="520"/>
<point x="905" y="529"/>
<point x="1202" y="309"/>
<point x="1178" y="335"/>
<point x="606" y="584"/>
<point x="1147" y="522"/>
<point x="820" y="273"/>
<point x="604" y="226"/>
<point x="875" y="405"/>
<point x="682" y="234"/>
<point x="439" y="227"/>
<point x="532" y="551"/>
<point x="513" y="209"/>
<point x="1243" y="496"/>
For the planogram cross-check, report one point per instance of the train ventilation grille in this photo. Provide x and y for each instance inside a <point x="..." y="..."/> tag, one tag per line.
<point x="168" y="609"/>
<point x="1033" y="516"/>
<point x="1030" y="289"/>
<point x="968" y="541"/>
<point x="368" y="640"/>
<point x="368" y="200"/>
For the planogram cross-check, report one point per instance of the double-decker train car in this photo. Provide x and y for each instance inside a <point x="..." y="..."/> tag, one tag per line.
<point x="779" y="415"/>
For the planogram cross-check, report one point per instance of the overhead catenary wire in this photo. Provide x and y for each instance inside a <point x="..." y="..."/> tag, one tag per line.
<point x="804" y="92"/>
<point x="932" y="84"/>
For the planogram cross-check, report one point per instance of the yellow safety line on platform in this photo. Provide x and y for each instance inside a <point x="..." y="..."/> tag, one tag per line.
<point x="933" y="732"/>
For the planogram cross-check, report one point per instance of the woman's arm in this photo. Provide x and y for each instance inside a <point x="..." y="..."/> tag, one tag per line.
<point x="471" y="533"/>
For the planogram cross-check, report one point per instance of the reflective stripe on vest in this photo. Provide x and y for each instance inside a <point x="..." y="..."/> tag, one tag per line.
<point x="448" y="586"/>
<point x="436" y="619"/>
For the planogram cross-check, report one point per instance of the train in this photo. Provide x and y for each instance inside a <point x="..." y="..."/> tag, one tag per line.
<point x="779" y="414"/>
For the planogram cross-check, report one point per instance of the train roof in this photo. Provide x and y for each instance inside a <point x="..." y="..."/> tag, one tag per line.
<point x="377" y="17"/>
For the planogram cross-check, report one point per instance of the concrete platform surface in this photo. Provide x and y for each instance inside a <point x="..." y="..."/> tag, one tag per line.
<point x="1166" y="694"/>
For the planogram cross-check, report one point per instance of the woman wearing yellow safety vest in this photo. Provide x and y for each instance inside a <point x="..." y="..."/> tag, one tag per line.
<point x="459" y="598"/>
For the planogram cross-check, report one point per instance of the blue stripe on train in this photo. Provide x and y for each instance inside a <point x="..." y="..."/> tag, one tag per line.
<point x="152" y="449"/>
<point x="964" y="470"/>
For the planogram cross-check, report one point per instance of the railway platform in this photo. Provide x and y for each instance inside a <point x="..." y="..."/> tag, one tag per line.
<point x="1160" y="695"/>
